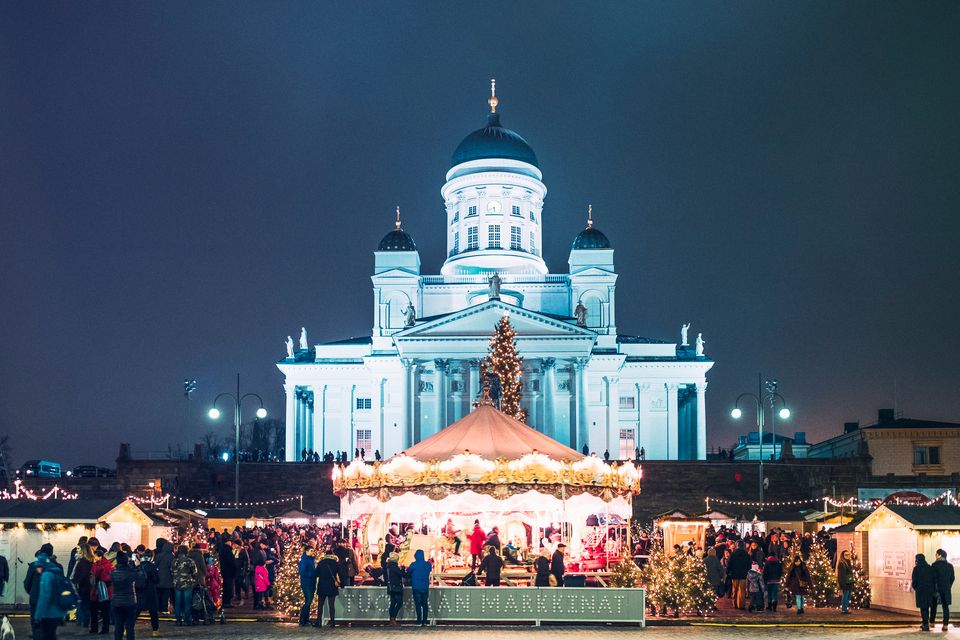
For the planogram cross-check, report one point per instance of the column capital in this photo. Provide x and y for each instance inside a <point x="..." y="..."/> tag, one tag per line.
<point x="612" y="379"/>
<point x="548" y="363"/>
<point x="408" y="363"/>
<point x="701" y="386"/>
<point x="442" y="364"/>
<point x="474" y="364"/>
<point x="671" y="387"/>
<point x="580" y="363"/>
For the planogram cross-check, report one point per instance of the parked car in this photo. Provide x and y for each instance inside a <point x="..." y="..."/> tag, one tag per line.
<point x="85" y="471"/>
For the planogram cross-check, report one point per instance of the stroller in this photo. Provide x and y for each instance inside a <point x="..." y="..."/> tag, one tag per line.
<point x="204" y="609"/>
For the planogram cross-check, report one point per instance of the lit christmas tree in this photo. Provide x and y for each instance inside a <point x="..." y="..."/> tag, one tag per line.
<point x="860" y="594"/>
<point x="625" y="574"/>
<point x="504" y="363"/>
<point x="822" y="574"/>
<point x="287" y="596"/>
<point x="677" y="583"/>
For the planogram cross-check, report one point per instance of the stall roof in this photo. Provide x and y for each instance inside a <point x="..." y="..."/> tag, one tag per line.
<point x="932" y="518"/>
<point x="72" y="511"/>
<point x="492" y="435"/>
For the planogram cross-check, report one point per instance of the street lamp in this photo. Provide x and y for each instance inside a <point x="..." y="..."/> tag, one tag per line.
<point x="214" y="414"/>
<point x="763" y="400"/>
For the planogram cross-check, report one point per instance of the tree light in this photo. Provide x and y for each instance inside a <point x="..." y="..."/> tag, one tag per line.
<point x="736" y="413"/>
<point x="262" y="413"/>
<point x="214" y="413"/>
<point x="225" y="456"/>
<point x="784" y="413"/>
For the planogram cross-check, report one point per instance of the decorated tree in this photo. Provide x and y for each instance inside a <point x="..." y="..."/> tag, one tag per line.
<point x="860" y="594"/>
<point x="288" y="598"/>
<point x="823" y="575"/>
<point x="504" y="364"/>
<point x="700" y="596"/>
<point x="677" y="583"/>
<point x="625" y="574"/>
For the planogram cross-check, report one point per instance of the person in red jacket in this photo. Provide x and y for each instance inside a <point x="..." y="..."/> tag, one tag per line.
<point x="100" y="607"/>
<point x="477" y="538"/>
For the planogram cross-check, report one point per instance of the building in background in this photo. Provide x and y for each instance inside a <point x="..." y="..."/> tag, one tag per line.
<point x="775" y="446"/>
<point x="586" y="383"/>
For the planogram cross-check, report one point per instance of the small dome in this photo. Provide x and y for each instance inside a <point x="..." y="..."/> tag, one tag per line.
<point x="591" y="238"/>
<point x="494" y="141"/>
<point x="397" y="240"/>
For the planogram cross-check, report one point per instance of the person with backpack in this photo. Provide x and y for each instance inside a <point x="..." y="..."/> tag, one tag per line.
<point x="184" y="580"/>
<point x="755" y="587"/>
<point x="101" y="592"/>
<point x="772" y="572"/>
<point x="393" y="578"/>
<point x="419" y="571"/>
<point x="125" y="579"/>
<point x="148" y="594"/>
<point x="56" y="596"/>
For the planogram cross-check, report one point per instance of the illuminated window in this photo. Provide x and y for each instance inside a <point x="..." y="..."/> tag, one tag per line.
<point x="456" y="216"/>
<point x="515" y="242"/>
<point x="627" y="444"/>
<point x="365" y="440"/>
<point x="533" y="218"/>
<point x="472" y="211"/>
<point x="533" y="243"/>
<point x="364" y="403"/>
<point x="516" y="210"/>
<point x="472" y="238"/>
<point x="493" y="236"/>
<point x="627" y="402"/>
<point x="456" y="243"/>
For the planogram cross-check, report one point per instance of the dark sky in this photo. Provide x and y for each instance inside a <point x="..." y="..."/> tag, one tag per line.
<point x="183" y="184"/>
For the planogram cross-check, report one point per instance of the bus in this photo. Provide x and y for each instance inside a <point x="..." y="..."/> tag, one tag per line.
<point x="40" y="469"/>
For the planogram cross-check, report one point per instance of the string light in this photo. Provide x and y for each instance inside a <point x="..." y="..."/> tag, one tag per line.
<point x="504" y="363"/>
<point x="947" y="498"/>
<point x="20" y="492"/>
<point x="784" y="503"/>
<point x="214" y="503"/>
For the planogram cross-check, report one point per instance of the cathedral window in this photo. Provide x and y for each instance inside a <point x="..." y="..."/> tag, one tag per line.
<point x="493" y="236"/>
<point x="472" y="238"/>
<point x="627" y="444"/>
<point x="471" y="211"/>
<point x="627" y="402"/>
<point x="364" y="403"/>
<point x="456" y="243"/>
<point x="364" y="440"/>
<point x="533" y="218"/>
<point x="456" y="216"/>
<point x="515" y="242"/>
<point x="533" y="243"/>
<point x="516" y="210"/>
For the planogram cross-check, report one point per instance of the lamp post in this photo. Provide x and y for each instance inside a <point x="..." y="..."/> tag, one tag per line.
<point x="762" y="400"/>
<point x="214" y="414"/>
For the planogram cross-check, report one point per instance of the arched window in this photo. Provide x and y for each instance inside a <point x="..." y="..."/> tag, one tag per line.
<point x="594" y="304"/>
<point x="397" y="304"/>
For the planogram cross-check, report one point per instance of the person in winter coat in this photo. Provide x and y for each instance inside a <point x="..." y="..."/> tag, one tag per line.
<point x="393" y="578"/>
<point x="419" y="571"/>
<point x="328" y="586"/>
<point x="557" y="567"/>
<point x="491" y="566"/>
<point x="307" y="572"/>
<point x="845" y="579"/>
<point x="81" y="581"/>
<point x="196" y="554"/>
<point x="944" y="576"/>
<point x="493" y="539"/>
<point x="772" y="572"/>
<point x="163" y="557"/>
<point x="47" y="613"/>
<point x="100" y="586"/>
<point x="184" y="572"/>
<point x="477" y="537"/>
<point x="347" y="562"/>
<point x="125" y="579"/>
<point x="714" y="571"/>
<point x="755" y="587"/>
<point x="31" y="582"/>
<point x="542" y="568"/>
<point x="798" y="581"/>
<point x="147" y="599"/>
<point x="737" y="568"/>
<point x="923" y="581"/>
<point x="228" y="570"/>
<point x="241" y="584"/>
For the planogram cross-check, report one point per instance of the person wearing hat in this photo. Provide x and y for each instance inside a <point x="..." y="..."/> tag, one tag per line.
<point x="393" y="578"/>
<point x="557" y="568"/>
<point x="944" y="575"/>
<point x="924" y="584"/>
<point x="31" y="583"/>
<point x="755" y="587"/>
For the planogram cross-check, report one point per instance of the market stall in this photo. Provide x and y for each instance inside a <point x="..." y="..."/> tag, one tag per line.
<point x="680" y="528"/>
<point x="893" y="535"/>
<point x="494" y="469"/>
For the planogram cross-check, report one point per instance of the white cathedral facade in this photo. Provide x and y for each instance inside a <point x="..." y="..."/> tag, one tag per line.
<point x="585" y="383"/>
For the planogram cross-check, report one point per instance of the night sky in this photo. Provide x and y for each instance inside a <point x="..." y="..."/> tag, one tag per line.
<point x="184" y="184"/>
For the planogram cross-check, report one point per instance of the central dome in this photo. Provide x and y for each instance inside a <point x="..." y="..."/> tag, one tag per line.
<point x="494" y="141"/>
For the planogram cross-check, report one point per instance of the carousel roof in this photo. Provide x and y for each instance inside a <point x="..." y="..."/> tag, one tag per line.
<point x="492" y="435"/>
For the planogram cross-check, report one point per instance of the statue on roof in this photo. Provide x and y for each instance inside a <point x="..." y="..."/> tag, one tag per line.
<point x="580" y="313"/>
<point x="700" y="343"/>
<point x="289" y="347"/>
<point x="495" y="286"/>
<point x="303" y="338"/>
<point x="684" y="342"/>
<point x="410" y="315"/>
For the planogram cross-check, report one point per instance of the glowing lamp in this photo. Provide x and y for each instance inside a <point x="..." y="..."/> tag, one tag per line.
<point x="225" y="456"/>
<point x="262" y="413"/>
<point x="214" y="413"/>
<point x="736" y="413"/>
<point x="784" y="413"/>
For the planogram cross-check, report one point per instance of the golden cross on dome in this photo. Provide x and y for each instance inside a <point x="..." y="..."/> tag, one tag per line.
<point x="493" y="102"/>
<point x="589" y="216"/>
<point x="397" y="223"/>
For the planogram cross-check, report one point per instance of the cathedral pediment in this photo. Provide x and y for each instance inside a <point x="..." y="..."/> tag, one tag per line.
<point x="480" y="320"/>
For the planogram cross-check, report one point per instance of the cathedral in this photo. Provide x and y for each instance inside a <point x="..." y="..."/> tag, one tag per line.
<point x="585" y="383"/>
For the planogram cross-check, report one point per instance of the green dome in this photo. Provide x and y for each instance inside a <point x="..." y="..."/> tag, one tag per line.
<point x="397" y="240"/>
<point x="591" y="238"/>
<point x="494" y="141"/>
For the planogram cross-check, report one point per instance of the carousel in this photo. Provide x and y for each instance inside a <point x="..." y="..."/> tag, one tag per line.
<point x="526" y="491"/>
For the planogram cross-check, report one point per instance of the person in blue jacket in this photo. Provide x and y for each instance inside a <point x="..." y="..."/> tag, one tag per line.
<point x="307" y="568"/>
<point x="419" y="572"/>
<point x="48" y="614"/>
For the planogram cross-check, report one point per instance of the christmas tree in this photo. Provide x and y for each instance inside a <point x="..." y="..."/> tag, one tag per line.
<point x="504" y="363"/>
<point x="823" y="576"/>
<point x="860" y="594"/>
<point x="678" y="583"/>
<point x="287" y="596"/>
<point x="625" y="574"/>
<point x="700" y="596"/>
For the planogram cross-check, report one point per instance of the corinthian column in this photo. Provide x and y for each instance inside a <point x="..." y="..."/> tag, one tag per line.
<point x="441" y="367"/>
<point x="701" y="421"/>
<point x="290" y="432"/>
<point x="548" y="386"/>
<point x="406" y="410"/>
<point x="583" y="415"/>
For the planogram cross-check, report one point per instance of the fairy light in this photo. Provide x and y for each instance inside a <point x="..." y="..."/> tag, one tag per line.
<point x="504" y="362"/>
<point x="20" y="492"/>
<point x="783" y="503"/>
<point x="157" y="501"/>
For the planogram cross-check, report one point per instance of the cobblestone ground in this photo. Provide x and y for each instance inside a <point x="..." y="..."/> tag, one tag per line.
<point x="256" y="630"/>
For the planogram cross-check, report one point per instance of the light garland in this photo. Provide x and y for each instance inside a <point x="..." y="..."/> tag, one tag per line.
<point x="947" y="498"/>
<point x="214" y="503"/>
<point x="784" y="503"/>
<point x="21" y="492"/>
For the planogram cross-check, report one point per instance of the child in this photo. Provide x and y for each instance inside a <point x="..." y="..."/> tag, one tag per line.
<point x="755" y="588"/>
<point x="261" y="582"/>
